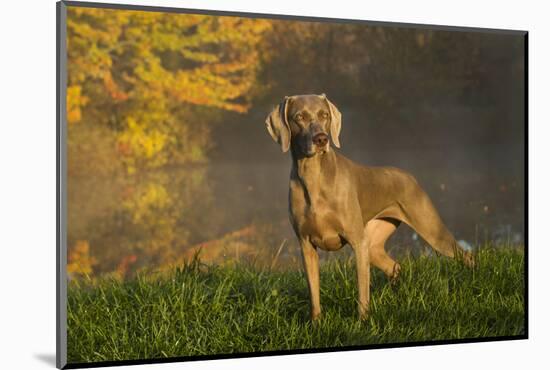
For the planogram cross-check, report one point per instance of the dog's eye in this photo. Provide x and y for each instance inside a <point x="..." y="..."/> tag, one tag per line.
<point x="324" y="115"/>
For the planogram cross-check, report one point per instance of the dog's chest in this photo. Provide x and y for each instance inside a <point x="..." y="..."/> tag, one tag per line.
<point x="316" y="221"/>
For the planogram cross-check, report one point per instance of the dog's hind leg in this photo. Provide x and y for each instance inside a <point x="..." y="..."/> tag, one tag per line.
<point x="379" y="230"/>
<point x="422" y="216"/>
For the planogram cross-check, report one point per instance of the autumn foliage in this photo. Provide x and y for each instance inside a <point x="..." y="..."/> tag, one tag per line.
<point x="140" y="73"/>
<point x="138" y="86"/>
<point x="80" y="263"/>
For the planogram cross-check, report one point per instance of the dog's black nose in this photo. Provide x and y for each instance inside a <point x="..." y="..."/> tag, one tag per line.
<point x="320" y="139"/>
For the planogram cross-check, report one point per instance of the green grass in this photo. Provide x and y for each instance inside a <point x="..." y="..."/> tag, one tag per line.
<point x="200" y="310"/>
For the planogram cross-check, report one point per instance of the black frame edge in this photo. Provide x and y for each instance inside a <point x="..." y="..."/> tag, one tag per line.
<point x="526" y="179"/>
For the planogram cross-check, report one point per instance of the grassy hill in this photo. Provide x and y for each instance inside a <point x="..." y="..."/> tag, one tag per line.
<point x="206" y="310"/>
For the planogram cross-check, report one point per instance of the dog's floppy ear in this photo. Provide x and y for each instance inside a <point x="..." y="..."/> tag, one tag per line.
<point x="277" y="125"/>
<point x="335" y="122"/>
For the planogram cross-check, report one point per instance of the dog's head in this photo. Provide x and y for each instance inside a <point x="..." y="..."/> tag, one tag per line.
<point x="305" y="122"/>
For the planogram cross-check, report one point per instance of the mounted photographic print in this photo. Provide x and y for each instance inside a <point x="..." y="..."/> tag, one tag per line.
<point x="236" y="185"/>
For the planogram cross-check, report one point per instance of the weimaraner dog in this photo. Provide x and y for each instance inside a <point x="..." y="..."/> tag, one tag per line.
<point x="334" y="201"/>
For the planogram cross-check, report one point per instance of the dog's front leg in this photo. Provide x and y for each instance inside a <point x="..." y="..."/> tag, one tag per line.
<point x="311" y="265"/>
<point x="363" y="276"/>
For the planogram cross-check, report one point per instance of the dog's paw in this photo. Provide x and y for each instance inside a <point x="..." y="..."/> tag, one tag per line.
<point x="315" y="317"/>
<point x="468" y="259"/>
<point x="394" y="277"/>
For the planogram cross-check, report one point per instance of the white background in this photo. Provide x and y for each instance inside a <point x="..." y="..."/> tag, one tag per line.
<point x="27" y="182"/>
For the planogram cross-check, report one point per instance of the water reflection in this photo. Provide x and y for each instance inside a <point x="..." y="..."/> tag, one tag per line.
<point x="137" y="221"/>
